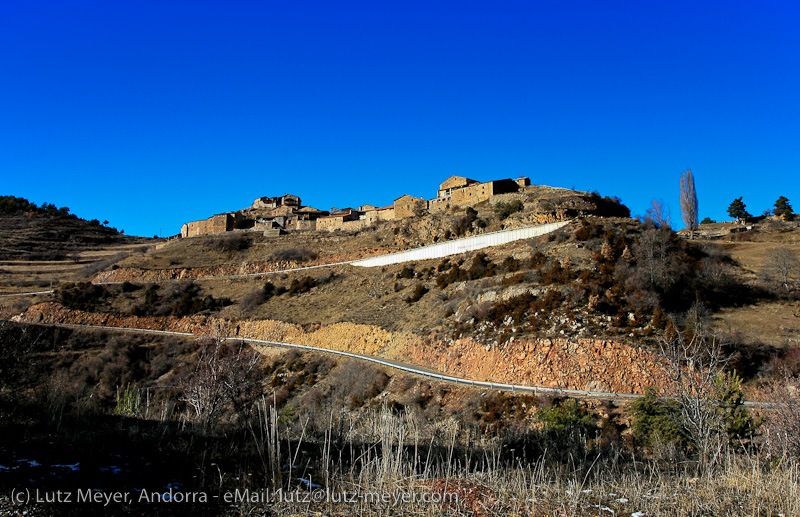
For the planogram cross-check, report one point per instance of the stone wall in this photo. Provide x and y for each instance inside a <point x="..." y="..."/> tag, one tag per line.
<point x="216" y="224"/>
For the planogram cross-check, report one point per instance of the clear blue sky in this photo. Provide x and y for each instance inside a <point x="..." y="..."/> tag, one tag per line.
<point x="153" y="113"/>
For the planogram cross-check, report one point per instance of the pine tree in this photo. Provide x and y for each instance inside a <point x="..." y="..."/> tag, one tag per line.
<point x="783" y="208"/>
<point x="738" y="210"/>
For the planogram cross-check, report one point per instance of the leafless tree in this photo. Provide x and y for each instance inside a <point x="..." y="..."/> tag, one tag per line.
<point x="224" y="377"/>
<point x="658" y="215"/>
<point x="688" y="201"/>
<point x="694" y="362"/>
<point x="656" y="264"/>
<point x="782" y="270"/>
<point x="782" y="435"/>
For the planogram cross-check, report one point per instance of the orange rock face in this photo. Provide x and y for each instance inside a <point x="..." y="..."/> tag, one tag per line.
<point x="582" y="364"/>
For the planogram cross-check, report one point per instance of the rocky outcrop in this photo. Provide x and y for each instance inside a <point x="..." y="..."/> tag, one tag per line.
<point x="584" y="364"/>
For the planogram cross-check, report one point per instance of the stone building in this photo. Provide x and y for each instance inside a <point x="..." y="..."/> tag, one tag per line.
<point x="219" y="223"/>
<point x="453" y="183"/>
<point x="460" y="191"/>
<point x="408" y="206"/>
<point x="263" y="203"/>
<point x="337" y="220"/>
<point x="385" y="213"/>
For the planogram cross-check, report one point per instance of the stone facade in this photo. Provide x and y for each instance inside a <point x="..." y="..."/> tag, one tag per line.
<point x="385" y="213"/>
<point x="453" y="183"/>
<point x="219" y="223"/>
<point x="458" y="191"/>
<point x="409" y="206"/>
<point x="336" y="220"/>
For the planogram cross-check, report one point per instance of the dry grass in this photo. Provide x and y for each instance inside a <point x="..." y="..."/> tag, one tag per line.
<point x="771" y="323"/>
<point x="398" y="463"/>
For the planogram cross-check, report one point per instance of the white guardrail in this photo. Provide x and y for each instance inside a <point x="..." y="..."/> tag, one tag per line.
<point x="454" y="247"/>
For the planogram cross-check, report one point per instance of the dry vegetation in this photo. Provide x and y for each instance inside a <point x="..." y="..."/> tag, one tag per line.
<point x="222" y="415"/>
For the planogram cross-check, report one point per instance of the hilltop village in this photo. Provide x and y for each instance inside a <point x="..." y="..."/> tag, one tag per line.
<point x="276" y="215"/>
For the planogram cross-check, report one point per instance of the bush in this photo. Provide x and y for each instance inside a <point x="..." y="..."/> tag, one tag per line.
<point x="503" y="210"/>
<point x="586" y="231"/>
<point x="462" y="225"/>
<point x="567" y="416"/>
<point x="302" y="285"/>
<point x="406" y="272"/>
<point x="292" y="255"/>
<point x="227" y="242"/>
<point x="653" y="420"/>
<point x="251" y="300"/>
<point x="481" y="267"/>
<point x="537" y="260"/>
<point x="181" y="299"/>
<point x="127" y="287"/>
<point x="609" y="206"/>
<point x="81" y="296"/>
<point x="418" y="292"/>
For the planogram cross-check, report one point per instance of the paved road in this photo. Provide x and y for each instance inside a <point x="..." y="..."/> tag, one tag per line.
<point x="413" y="369"/>
<point x="417" y="370"/>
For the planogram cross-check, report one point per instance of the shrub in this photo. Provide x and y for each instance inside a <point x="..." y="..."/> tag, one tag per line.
<point x="302" y="285"/>
<point x="503" y="210"/>
<point x="270" y="290"/>
<point x="463" y="224"/>
<point x="251" y="300"/>
<point x="567" y="416"/>
<point x="406" y="272"/>
<point x="511" y="265"/>
<point x="181" y="299"/>
<point x="292" y="255"/>
<point x="227" y="242"/>
<point x="128" y="287"/>
<point x="81" y="296"/>
<point x="586" y="231"/>
<point x="481" y="267"/>
<point x="653" y="420"/>
<point x="418" y="292"/>
<point x="537" y="260"/>
<point x="609" y="206"/>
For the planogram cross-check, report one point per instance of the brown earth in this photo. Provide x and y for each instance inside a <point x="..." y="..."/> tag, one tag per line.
<point x="133" y="274"/>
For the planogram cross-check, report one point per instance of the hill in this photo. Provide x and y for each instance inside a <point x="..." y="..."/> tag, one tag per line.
<point x="587" y="307"/>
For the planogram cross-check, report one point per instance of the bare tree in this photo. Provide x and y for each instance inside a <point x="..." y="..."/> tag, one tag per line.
<point x="694" y="362"/>
<point x="708" y="405"/>
<point x="224" y="378"/>
<point x="658" y="215"/>
<point x="782" y="436"/>
<point x="688" y="201"/>
<point x="781" y="269"/>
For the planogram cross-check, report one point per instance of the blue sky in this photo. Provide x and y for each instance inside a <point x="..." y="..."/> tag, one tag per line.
<point x="150" y="114"/>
